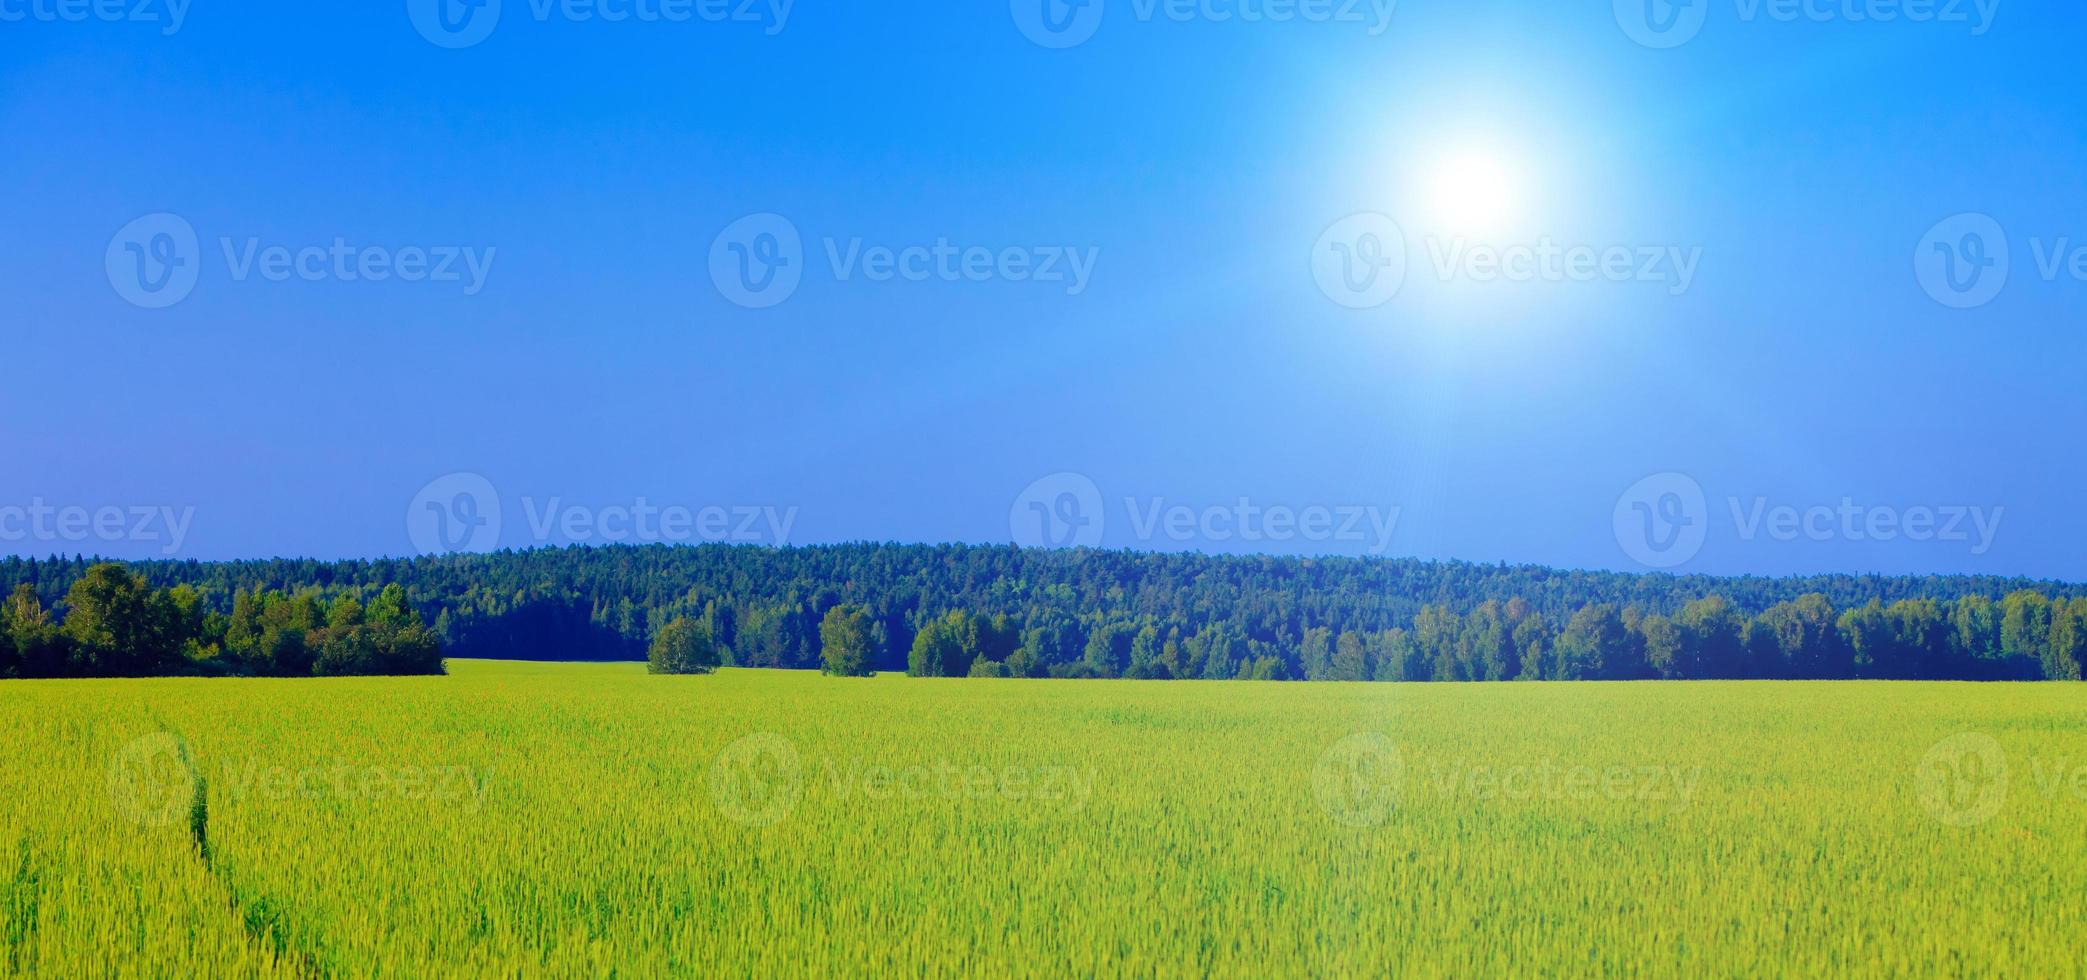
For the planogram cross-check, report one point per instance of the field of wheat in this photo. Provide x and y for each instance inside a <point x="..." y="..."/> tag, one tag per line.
<point x="569" y="820"/>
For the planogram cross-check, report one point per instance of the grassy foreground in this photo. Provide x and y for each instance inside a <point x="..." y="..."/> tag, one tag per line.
<point x="583" y="820"/>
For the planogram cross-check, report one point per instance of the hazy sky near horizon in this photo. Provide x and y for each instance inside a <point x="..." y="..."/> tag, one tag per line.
<point x="1786" y="288"/>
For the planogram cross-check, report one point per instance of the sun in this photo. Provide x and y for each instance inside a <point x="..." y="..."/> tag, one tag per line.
<point x="1473" y="191"/>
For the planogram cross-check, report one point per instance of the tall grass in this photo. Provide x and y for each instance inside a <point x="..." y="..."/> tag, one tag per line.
<point x="582" y="820"/>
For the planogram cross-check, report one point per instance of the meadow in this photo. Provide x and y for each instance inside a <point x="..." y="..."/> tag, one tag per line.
<point x="562" y="820"/>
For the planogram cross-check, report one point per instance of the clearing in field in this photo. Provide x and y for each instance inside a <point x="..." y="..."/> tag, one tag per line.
<point x="567" y="819"/>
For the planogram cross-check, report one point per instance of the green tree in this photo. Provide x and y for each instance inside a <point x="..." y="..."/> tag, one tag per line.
<point x="119" y="626"/>
<point x="1148" y="656"/>
<point x="1402" y="659"/>
<point x="846" y="641"/>
<point x="1224" y="652"/>
<point x="10" y="655"/>
<point x="278" y="640"/>
<point x="1488" y="651"/>
<point x="1264" y="668"/>
<point x="1799" y="639"/>
<point x="1871" y="639"/>
<point x="1437" y="630"/>
<point x="1108" y="648"/>
<point x="31" y="643"/>
<point x="987" y="667"/>
<point x="390" y="608"/>
<point x="1977" y="623"/>
<point x="2065" y="655"/>
<point x="388" y="638"/>
<point x="243" y="627"/>
<point x="1710" y="639"/>
<point x="1662" y="642"/>
<point x="941" y="648"/>
<point x="1762" y="650"/>
<point x="1051" y="637"/>
<point x="1923" y="639"/>
<point x="683" y="646"/>
<point x="1315" y="654"/>
<point x="202" y="631"/>
<point x="1351" y="662"/>
<point x="723" y="623"/>
<point x="995" y="637"/>
<point x="1532" y="639"/>
<point x="2025" y="626"/>
<point x="1595" y="645"/>
<point x="344" y="612"/>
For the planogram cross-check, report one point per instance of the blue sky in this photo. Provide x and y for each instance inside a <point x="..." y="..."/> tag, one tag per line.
<point x="1773" y="347"/>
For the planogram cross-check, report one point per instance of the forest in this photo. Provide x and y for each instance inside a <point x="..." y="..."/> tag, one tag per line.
<point x="111" y="623"/>
<point x="1001" y="611"/>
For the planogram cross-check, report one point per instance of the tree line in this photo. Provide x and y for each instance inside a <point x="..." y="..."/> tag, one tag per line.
<point x="959" y="610"/>
<point x="2024" y="636"/>
<point x="110" y="622"/>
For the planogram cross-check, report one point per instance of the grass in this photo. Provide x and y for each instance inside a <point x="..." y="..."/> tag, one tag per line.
<point x="588" y="819"/>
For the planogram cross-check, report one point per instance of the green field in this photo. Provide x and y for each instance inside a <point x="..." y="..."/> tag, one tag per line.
<point x="571" y="820"/>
